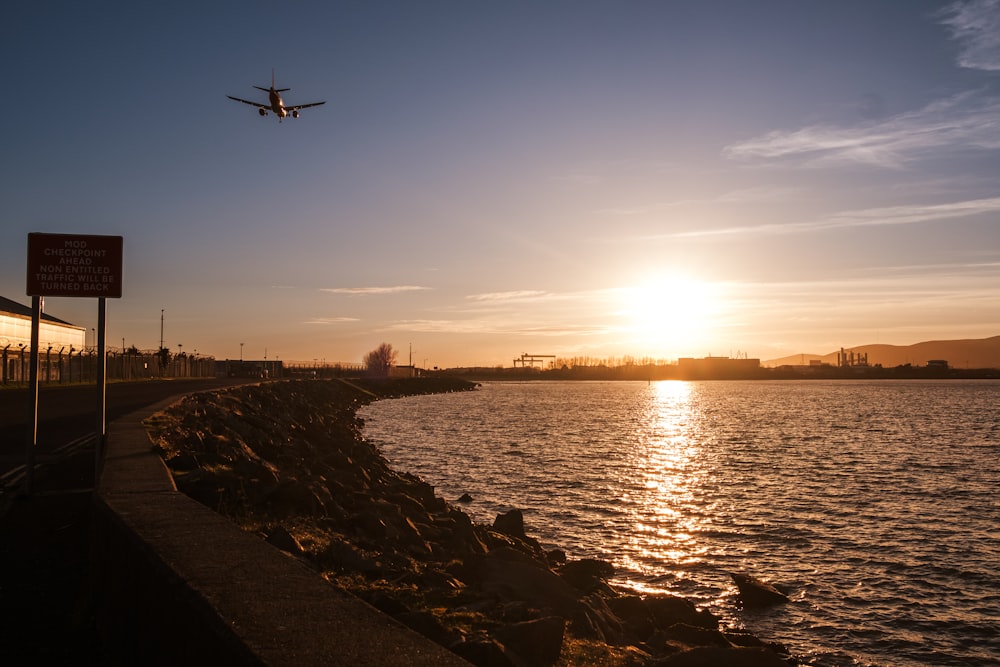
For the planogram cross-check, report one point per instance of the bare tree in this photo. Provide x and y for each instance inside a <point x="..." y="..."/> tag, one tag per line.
<point x="380" y="359"/>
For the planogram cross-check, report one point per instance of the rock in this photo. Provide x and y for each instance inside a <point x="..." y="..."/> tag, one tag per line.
<point x="555" y="557"/>
<point x="594" y="618"/>
<point x="518" y="580"/>
<point x="482" y="652"/>
<point x="756" y="593"/>
<point x="510" y="523"/>
<point x="741" y="638"/>
<point x="341" y="555"/>
<point x="429" y="626"/>
<point x="411" y="507"/>
<point x="538" y="643"/>
<point x="465" y="498"/>
<point x="692" y="635"/>
<point x="464" y="538"/>
<point x="587" y="574"/>
<point x="635" y="615"/>
<point x="280" y="537"/>
<point x="293" y="497"/>
<point x="507" y="552"/>
<point x="387" y="604"/>
<point x="670" y="609"/>
<point x="182" y="461"/>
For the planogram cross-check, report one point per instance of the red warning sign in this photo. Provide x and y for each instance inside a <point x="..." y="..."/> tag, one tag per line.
<point x="74" y="265"/>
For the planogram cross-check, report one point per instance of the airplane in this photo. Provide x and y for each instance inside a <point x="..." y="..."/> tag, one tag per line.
<point x="276" y="104"/>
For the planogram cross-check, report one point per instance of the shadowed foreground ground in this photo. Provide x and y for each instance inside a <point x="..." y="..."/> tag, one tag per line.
<point x="44" y="543"/>
<point x="45" y="537"/>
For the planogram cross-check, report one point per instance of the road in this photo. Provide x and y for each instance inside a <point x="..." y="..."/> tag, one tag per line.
<point x="69" y="412"/>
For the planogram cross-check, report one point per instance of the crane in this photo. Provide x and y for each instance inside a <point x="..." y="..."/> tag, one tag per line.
<point x="527" y="360"/>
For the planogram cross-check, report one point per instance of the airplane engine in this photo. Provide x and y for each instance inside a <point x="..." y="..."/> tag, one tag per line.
<point x="295" y="113"/>
<point x="262" y="112"/>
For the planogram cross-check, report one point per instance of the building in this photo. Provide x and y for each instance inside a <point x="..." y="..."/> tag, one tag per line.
<point x="58" y="341"/>
<point x="717" y="368"/>
<point x="15" y="329"/>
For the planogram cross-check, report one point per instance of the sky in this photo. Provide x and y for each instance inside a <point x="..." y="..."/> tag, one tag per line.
<point x="592" y="180"/>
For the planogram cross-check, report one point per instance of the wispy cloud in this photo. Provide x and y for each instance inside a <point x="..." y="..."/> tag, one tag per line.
<point x="516" y="295"/>
<point x="498" y="327"/>
<point x="360" y="291"/>
<point x="968" y="120"/>
<point x="331" y="320"/>
<point x="975" y="25"/>
<point x="873" y="217"/>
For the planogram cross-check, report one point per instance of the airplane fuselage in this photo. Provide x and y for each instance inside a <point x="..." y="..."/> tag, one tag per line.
<point x="277" y="105"/>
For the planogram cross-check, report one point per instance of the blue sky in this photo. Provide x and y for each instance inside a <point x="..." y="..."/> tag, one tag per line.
<point x="585" y="179"/>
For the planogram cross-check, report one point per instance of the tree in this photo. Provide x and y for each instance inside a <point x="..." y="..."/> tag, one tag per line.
<point x="380" y="359"/>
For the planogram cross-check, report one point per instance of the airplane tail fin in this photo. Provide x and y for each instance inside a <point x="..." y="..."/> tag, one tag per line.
<point x="272" y="88"/>
<point x="277" y="90"/>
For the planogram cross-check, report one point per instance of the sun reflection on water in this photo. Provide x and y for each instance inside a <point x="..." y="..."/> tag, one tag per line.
<point x="666" y="504"/>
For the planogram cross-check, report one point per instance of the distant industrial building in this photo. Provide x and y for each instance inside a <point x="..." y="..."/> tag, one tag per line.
<point x="717" y="368"/>
<point x="852" y="359"/>
<point x="15" y="329"/>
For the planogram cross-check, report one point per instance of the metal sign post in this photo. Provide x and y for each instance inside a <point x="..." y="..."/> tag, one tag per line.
<point x="72" y="265"/>
<point x="32" y="439"/>
<point x="102" y="386"/>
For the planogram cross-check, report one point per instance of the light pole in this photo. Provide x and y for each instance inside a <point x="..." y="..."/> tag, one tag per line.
<point x="241" y="353"/>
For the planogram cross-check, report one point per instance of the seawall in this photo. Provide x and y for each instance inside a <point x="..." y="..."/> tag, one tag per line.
<point x="174" y="582"/>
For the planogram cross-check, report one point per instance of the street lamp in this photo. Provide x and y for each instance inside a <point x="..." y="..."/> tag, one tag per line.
<point x="241" y="353"/>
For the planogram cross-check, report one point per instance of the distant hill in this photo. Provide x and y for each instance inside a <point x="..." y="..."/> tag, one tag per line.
<point x="971" y="353"/>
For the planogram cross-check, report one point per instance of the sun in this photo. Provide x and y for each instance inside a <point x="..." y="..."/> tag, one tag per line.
<point x="670" y="314"/>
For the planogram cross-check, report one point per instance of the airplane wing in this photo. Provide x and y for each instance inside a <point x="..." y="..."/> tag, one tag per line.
<point x="302" y="106"/>
<point x="253" y="104"/>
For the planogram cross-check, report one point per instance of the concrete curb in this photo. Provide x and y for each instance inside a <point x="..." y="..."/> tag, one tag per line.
<point x="173" y="582"/>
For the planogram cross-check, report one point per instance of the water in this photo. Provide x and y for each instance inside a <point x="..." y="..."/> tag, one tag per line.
<point x="876" y="502"/>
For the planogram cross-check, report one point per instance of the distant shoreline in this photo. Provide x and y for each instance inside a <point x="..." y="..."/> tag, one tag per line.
<point x="650" y="373"/>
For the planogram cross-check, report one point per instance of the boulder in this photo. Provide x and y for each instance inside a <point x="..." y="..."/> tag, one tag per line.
<point x="755" y="593"/>
<point x="280" y="537"/>
<point x="482" y="652"/>
<point x="670" y="609"/>
<point x="427" y="624"/>
<point x="518" y="580"/>
<point x="587" y="574"/>
<point x="293" y="497"/>
<point x="692" y="635"/>
<point x="635" y="615"/>
<point x="342" y="555"/>
<point x="538" y="643"/>
<point x="594" y="618"/>
<point x="510" y="523"/>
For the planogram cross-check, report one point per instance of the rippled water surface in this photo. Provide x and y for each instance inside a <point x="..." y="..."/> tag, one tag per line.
<point x="876" y="502"/>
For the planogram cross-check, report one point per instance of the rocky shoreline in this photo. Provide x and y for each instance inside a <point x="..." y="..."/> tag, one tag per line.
<point x="288" y="460"/>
